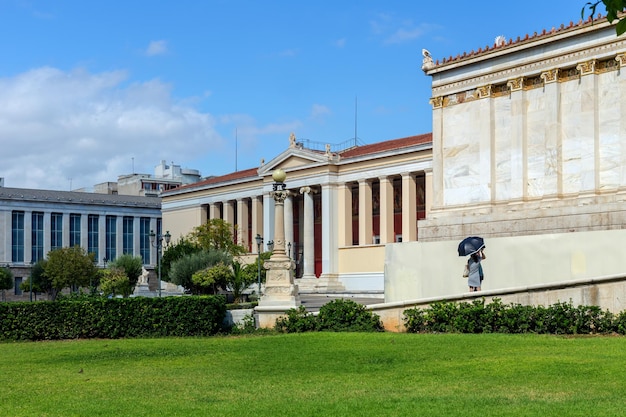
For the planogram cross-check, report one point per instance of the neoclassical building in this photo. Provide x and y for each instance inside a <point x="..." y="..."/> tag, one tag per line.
<point x="345" y="205"/>
<point x="33" y="222"/>
<point x="529" y="152"/>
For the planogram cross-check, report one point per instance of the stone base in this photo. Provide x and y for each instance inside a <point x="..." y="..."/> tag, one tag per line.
<point x="329" y="282"/>
<point x="267" y="316"/>
<point x="307" y="283"/>
<point x="143" y="290"/>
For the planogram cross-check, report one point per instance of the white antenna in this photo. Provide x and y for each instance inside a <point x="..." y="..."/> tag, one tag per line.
<point x="355" y="120"/>
<point x="235" y="149"/>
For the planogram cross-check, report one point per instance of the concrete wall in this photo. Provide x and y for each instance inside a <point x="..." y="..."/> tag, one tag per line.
<point x="418" y="270"/>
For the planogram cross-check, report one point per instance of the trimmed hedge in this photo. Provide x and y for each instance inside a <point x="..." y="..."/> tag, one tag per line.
<point x="478" y="317"/>
<point x="112" y="318"/>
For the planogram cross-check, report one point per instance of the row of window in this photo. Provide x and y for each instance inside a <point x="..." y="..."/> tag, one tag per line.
<point x="93" y="235"/>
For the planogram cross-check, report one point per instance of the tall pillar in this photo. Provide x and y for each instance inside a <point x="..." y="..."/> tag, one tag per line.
<point x="308" y="240"/>
<point x="229" y="212"/>
<point x="257" y="219"/>
<point x="281" y="294"/>
<point x="409" y="208"/>
<point x="345" y="215"/>
<point x="329" y="279"/>
<point x="242" y="223"/>
<point x="387" y="234"/>
<point x="365" y="212"/>
<point x="289" y="220"/>
<point x="214" y="211"/>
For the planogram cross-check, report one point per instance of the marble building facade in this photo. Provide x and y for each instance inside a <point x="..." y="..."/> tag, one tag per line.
<point x="344" y="206"/>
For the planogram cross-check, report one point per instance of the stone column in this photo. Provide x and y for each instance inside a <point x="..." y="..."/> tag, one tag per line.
<point x="365" y="212"/>
<point x="28" y="237"/>
<point x="345" y="215"/>
<point x="308" y="280"/>
<point x="229" y="213"/>
<point x="280" y="292"/>
<point x="329" y="278"/>
<point x="257" y="220"/>
<point x="242" y="223"/>
<point x="289" y="221"/>
<point x="214" y="211"/>
<point x="387" y="234"/>
<point x="65" y="236"/>
<point x="409" y="208"/>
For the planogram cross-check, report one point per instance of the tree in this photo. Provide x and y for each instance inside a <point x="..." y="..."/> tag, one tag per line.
<point x="217" y="234"/>
<point x="174" y="252"/>
<point x="132" y="266"/>
<point x="115" y="281"/>
<point x="6" y="280"/>
<point x="234" y="277"/>
<point x="70" y="268"/>
<point x="41" y="284"/>
<point x="182" y="270"/>
<point x="613" y="10"/>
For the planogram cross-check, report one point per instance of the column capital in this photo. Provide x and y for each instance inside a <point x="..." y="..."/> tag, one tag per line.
<point x="484" y="91"/>
<point x="587" y="67"/>
<point x="307" y="190"/>
<point x="621" y="58"/>
<point x="436" y="102"/>
<point x="516" y="84"/>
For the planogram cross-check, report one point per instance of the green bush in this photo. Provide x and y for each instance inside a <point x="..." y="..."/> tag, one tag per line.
<point x="478" y="317"/>
<point x="297" y="320"/>
<point x="338" y="316"/>
<point x="112" y="318"/>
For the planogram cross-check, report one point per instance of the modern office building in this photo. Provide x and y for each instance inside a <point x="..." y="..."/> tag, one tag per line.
<point x="33" y="222"/>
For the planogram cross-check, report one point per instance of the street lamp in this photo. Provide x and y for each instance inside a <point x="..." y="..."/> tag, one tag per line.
<point x="157" y="242"/>
<point x="289" y="249"/>
<point x="259" y="242"/>
<point x="270" y="245"/>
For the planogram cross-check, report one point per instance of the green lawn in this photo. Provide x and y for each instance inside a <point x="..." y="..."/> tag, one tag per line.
<point x="317" y="374"/>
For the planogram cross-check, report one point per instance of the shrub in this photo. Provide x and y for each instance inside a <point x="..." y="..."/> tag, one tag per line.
<point x="347" y="316"/>
<point x="297" y="320"/>
<point x="112" y="318"/>
<point x="478" y="317"/>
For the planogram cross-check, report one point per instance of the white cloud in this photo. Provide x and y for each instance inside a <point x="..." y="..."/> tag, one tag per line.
<point x="395" y="30"/>
<point x="57" y="125"/>
<point x="340" y="43"/>
<point x="156" y="48"/>
<point x="319" y="111"/>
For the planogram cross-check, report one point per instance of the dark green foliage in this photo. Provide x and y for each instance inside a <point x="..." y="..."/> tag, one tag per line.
<point x="92" y="317"/>
<point x="174" y="252"/>
<point x="297" y="320"/>
<point x="6" y="280"/>
<point x="338" y="316"/>
<point x="614" y="9"/>
<point x="478" y="317"/>
<point x="132" y="266"/>
<point x="182" y="270"/>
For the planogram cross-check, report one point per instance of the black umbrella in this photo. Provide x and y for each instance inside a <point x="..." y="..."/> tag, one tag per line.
<point x="470" y="245"/>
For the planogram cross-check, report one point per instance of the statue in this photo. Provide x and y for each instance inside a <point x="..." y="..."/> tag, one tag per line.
<point x="143" y="278"/>
<point x="292" y="140"/>
<point x="427" y="61"/>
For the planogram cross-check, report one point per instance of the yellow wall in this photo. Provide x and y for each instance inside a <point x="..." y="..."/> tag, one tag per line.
<point x="180" y="222"/>
<point x="356" y="259"/>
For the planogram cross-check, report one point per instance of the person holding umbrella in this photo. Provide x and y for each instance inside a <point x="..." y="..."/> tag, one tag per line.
<point x="473" y="246"/>
<point x="475" y="278"/>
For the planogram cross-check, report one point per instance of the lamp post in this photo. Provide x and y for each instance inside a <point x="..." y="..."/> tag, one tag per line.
<point x="30" y="281"/>
<point x="259" y="242"/>
<point x="157" y="242"/>
<point x="289" y="249"/>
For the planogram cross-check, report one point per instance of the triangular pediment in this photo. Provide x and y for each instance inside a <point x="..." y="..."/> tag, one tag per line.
<point x="294" y="158"/>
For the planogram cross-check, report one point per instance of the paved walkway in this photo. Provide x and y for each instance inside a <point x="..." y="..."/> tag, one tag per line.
<point x="313" y="302"/>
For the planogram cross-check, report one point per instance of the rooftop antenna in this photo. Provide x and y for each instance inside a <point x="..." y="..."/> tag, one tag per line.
<point x="355" y="120"/>
<point x="235" y="149"/>
<point x="133" y="158"/>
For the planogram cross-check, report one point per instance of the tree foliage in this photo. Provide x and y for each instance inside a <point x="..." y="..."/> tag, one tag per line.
<point x="132" y="267"/>
<point x="6" y="279"/>
<point x="70" y="268"/>
<point x="115" y="281"/>
<point x="231" y="277"/>
<point x="217" y="234"/>
<point x="613" y="8"/>
<point x="41" y="283"/>
<point x="174" y="252"/>
<point x="182" y="270"/>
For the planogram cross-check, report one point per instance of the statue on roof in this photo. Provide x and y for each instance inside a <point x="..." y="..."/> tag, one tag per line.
<point x="427" y="61"/>
<point x="292" y="140"/>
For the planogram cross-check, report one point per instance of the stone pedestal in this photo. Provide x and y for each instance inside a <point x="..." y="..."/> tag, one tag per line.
<point x="143" y="290"/>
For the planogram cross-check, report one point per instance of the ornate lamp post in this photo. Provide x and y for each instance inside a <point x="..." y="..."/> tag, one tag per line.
<point x="157" y="242"/>
<point x="259" y="242"/>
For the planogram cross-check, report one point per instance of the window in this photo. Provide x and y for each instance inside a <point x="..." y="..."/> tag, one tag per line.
<point x="17" y="236"/>
<point x="144" y="239"/>
<point x="111" y="238"/>
<point x="127" y="235"/>
<point x="16" y="287"/>
<point x="93" y="226"/>
<point x="74" y="230"/>
<point x="56" y="231"/>
<point x="37" y="236"/>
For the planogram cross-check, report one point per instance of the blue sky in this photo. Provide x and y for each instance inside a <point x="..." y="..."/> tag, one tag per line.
<point x="90" y="90"/>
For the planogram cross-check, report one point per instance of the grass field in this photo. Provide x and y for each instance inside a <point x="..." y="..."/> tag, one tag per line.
<point x="317" y="374"/>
